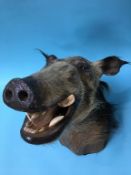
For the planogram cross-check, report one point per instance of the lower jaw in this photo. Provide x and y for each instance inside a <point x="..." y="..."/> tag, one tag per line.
<point x="41" y="138"/>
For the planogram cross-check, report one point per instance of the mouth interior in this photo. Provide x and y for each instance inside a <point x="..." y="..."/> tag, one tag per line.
<point x="39" y="122"/>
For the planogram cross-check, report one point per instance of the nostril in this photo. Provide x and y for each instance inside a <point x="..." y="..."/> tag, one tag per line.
<point x="8" y="94"/>
<point x="22" y="95"/>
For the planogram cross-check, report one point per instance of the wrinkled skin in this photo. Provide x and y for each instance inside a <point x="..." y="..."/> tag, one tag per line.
<point x="69" y="93"/>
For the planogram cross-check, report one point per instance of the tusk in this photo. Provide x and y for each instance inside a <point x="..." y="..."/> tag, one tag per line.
<point x="67" y="102"/>
<point x="29" y="118"/>
<point x="55" y="120"/>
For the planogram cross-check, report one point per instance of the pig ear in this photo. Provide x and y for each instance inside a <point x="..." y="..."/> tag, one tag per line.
<point x="49" y="58"/>
<point x="110" y="65"/>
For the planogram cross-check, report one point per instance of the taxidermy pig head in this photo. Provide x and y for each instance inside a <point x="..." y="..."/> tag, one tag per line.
<point x="65" y="100"/>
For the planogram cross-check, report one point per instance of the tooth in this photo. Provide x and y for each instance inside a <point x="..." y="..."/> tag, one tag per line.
<point x="34" y="116"/>
<point x="26" y="129"/>
<point x="29" y="130"/>
<point x="42" y="129"/>
<point x="55" y="120"/>
<point x="33" y="131"/>
<point x="67" y="102"/>
<point x="29" y="118"/>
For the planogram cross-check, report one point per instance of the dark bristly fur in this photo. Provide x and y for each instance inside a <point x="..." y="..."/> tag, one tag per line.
<point x="88" y="122"/>
<point x="100" y="122"/>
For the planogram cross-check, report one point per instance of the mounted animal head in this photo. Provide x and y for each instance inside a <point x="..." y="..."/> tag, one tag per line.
<point x="65" y="99"/>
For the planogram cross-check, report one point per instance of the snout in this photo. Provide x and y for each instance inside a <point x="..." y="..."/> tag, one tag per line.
<point x="18" y="95"/>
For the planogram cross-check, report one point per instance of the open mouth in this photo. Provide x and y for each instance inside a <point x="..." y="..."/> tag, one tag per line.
<point x="45" y="126"/>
